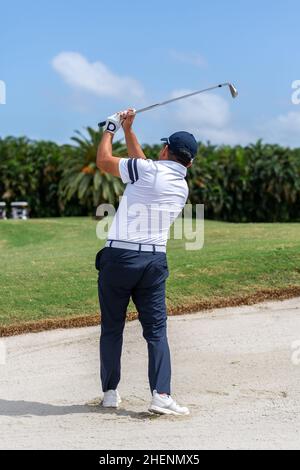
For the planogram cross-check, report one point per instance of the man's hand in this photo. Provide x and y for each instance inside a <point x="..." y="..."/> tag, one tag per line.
<point x="127" y="118"/>
<point x="113" y="123"/>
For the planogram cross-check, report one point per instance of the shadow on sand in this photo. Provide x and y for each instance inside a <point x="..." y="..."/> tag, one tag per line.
<point x="30" y="408"/>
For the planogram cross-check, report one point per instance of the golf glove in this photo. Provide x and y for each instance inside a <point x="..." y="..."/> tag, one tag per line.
<point x="113" y="123"/>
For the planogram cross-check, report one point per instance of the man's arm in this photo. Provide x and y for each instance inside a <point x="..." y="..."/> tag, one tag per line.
<point x="133" y="147"/>
<point x="105" y="159"/>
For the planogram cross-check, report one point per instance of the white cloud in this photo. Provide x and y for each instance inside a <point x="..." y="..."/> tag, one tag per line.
<point x="94" y="77"/>
<point x="201" y="110"/>
<point x="208" y="117"/>
<point x="228" y="136"/>
<point x="190" y="58"/>
<point x="284" y="129"/>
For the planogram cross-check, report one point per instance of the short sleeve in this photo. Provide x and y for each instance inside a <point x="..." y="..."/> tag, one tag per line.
<point x="131" y="169"/>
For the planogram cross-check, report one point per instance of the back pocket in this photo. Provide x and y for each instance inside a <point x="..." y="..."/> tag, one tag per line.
<point x="98" y="259"/>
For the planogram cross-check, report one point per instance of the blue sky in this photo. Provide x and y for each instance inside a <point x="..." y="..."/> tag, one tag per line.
<point x="68" y="64"/>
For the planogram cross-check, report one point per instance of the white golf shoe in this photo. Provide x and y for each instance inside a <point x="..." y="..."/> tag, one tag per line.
<point x="111" y="399"/>
<point x="165" y="405"/>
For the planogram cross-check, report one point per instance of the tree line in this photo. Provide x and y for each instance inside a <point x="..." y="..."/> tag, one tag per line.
<point x="255" y="183"/>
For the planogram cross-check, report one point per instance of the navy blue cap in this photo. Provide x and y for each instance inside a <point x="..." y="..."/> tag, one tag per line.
<point x="182" y="141"/>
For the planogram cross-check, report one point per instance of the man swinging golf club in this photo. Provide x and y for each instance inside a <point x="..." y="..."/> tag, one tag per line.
<point x="133" y="263"/>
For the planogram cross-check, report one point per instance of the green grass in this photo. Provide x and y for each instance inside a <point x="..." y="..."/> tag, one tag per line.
<point x="47" y="266"/>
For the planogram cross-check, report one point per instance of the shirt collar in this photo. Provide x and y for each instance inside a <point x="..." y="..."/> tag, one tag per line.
<point x="175" y="166"/>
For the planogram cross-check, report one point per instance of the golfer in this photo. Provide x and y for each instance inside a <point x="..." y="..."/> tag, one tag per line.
<point x="133" y="263"/>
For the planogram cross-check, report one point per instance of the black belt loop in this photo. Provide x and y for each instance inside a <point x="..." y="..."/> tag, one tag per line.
<point x="111" y="242"/>
<point x="140" y="247"/>
<point x="154" y="249"/>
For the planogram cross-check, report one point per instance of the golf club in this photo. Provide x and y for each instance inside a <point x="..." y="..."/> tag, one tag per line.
<point x="233" y="91"/>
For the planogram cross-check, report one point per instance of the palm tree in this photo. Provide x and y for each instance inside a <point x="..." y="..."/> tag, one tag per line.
<point x="82" y="179"/>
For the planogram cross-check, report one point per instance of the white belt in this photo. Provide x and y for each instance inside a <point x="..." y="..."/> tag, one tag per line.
<point x="135" y="246"/>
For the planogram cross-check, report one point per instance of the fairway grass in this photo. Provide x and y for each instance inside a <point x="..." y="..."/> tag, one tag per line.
<point x="47" y="267"/>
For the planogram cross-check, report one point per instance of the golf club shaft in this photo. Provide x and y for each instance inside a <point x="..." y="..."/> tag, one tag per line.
<point x="163" y="103"/>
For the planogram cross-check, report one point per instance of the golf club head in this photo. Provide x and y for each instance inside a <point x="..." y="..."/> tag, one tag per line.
<point x="233" y="90"/>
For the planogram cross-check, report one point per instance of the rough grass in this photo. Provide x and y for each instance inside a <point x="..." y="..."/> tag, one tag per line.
<point x="47" y="268"/>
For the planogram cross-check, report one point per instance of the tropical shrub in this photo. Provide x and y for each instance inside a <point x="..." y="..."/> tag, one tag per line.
<point x="82" y="181"/>
<point x="247" y="184"/>
<point x="31" y="171"/>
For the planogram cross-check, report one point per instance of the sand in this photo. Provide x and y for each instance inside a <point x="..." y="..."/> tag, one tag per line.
<point x="235" y="368"/>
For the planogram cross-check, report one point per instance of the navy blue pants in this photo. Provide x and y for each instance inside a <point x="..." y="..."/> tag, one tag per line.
<point x="125" y="274"/>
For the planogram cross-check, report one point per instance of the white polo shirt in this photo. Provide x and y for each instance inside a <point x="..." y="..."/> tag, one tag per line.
<point x="155" y="195"/>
